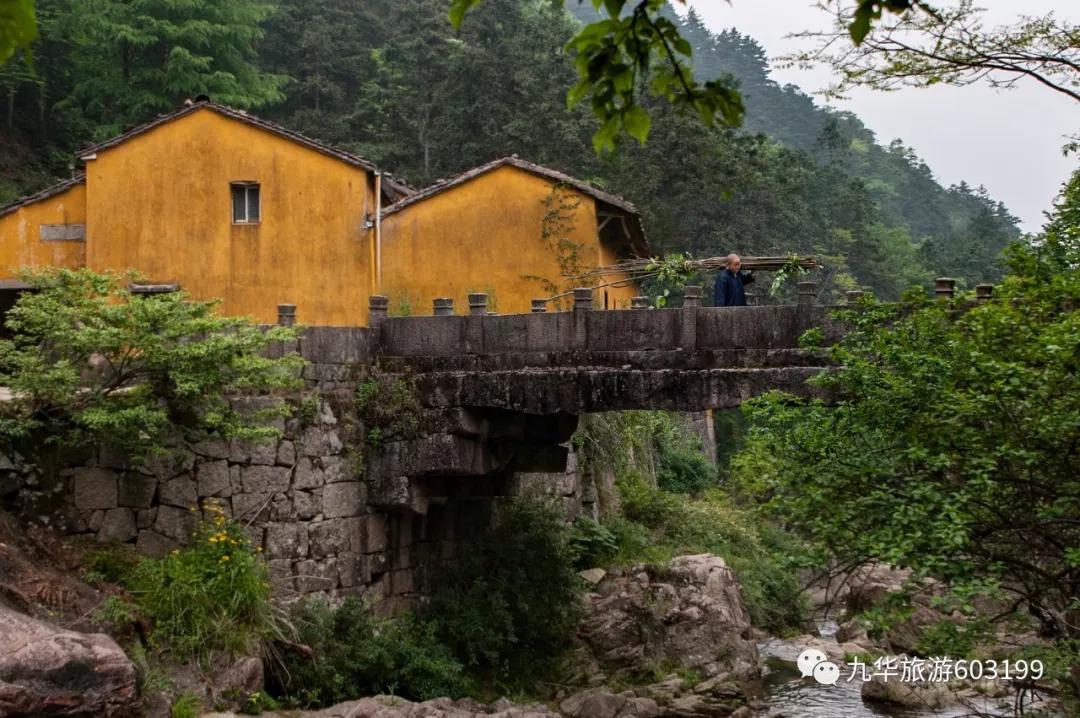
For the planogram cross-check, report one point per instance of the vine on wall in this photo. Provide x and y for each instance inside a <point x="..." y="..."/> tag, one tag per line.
<point x="556" y="232"/>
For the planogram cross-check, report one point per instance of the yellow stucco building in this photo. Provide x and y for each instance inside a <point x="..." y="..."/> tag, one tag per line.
<point x="226" y="205"/>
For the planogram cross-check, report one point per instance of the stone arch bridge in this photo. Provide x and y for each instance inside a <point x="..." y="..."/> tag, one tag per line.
<point x="500" y="395"/>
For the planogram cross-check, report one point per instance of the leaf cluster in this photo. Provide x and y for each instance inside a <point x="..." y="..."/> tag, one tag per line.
<point x="950" y="447"/>
<point x="88" y="363"/>
<point x="356" y="654"/>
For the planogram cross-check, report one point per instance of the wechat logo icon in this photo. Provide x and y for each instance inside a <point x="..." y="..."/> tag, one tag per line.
<point x="814" y="663"/>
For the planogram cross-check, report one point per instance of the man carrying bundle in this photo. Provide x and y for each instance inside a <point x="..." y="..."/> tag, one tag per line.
<point x="729" y="290"/>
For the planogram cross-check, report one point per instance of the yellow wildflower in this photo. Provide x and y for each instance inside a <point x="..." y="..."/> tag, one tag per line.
<point x="224" y="558"/>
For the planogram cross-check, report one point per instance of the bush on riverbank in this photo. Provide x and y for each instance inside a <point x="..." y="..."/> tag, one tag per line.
<point x="356" y="654"/>
<point x="508" y="608"/>
<point x="213" y="595"/>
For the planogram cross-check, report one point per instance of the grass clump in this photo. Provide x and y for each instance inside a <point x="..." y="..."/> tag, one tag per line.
<point x="388" y="407"/>
<point x="213" y="595"/>
<point x="357" y="654"/>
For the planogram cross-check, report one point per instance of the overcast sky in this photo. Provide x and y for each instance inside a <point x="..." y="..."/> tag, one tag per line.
<point x="1008" y="140"/>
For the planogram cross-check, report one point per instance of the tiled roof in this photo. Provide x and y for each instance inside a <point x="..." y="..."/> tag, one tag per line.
<point x="639" y="245"/>
<point x="398" y="186"/>
<point x="51" y="191"/>
<point x="514" y="161"/>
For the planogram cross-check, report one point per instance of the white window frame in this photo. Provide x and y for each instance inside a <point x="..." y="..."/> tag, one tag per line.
<point x="247" y="186"/>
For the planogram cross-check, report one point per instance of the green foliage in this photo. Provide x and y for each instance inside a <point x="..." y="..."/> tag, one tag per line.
<point x="358" y="655"/>
<point x="88" y="364"/>
<point x="949" y="449"/>
<point x="113" y="565"/>
<point x="509" y="606"/>
<point x="685" y="472"/>
<point x="591" y="543"/>
<point x="792" y="269"/>
<point x="764" y="557"/>
<point x="812" y="338"/>
<point x="307" y="410"/>
<point x="672" y="272"/>
<point x="556" y="232"/>
<point x="132" y="60"/>
<point x="186" y="706"/>
<point x="258" y="702"/>
<point x="213" y="595"/>
<point x="388" y="406"/>
<point x="117" y="611"/>
<point x="951" y="638"/>
<point x="18" y="28"/>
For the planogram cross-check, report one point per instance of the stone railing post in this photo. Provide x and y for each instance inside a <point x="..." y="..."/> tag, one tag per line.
<point x="477" y="304"/>
<point x="443" y="306"/>
<point x="853" y="296"/>
<point x="639" y="303"/>
<point x="582" y="305"/>
<point x="378" y="306"/>
<point x="691" y="296"/>
<point x="539" y="306"/>
<point x="688" y="318"/>
<point x="944" y="288"/>
<point x="984" y="292"/>
<point x="807" y="293"/>
<point x="286" y="315"/>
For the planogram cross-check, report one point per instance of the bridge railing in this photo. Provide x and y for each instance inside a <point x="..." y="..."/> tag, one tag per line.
<point x="583" y="329"/>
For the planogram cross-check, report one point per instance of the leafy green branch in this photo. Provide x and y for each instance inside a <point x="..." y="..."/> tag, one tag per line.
<point x="89" y="363"/>
<point x="674" y="270"/>
<point x="793" y="268"/>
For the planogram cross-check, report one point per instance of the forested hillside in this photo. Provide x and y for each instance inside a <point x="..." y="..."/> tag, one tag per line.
<point x="390" y="80"/>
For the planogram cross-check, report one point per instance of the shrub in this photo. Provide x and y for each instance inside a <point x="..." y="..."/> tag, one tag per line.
<point x="130" y="372"/>
<point x="357" y="655"/>
<point x="509" y="606"/>
<point x="388" y="407"/>
<point x="214" y="595"/>
<point x="685" y="472"/>
<point x="591" y="543"/>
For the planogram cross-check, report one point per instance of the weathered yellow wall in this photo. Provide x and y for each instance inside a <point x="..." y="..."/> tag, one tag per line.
<point x="482" y="235"/>
<point x="161" y="203"/>
<point x="20" y="242"/>
<point x="618" y="297"/>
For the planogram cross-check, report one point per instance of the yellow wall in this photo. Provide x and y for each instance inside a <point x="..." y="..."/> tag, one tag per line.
<point x="20" y="242"/>
<point x="618" y="296"/>
<point x="482" y="235"/>
<point x="161" y="203"/>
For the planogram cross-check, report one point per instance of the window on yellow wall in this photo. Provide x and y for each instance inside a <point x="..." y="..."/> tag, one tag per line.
<point x="245" y="202"/>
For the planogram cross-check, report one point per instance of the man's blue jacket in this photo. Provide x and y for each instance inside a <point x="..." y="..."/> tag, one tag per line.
<point x="729" y="290"/>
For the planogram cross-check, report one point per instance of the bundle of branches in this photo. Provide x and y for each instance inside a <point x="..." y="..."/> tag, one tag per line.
<point x="640" y="268"/>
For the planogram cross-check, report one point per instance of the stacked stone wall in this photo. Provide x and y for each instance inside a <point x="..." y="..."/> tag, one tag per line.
<point x="305" y="499"/>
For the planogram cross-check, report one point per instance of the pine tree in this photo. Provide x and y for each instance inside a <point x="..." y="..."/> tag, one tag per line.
<point x="143" y="57"/>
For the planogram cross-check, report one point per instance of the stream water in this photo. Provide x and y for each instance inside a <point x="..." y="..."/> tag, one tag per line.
<point x="792" y="696"/>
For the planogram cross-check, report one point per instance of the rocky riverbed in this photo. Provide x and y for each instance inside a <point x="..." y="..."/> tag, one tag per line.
<point x="657" y="641"/>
